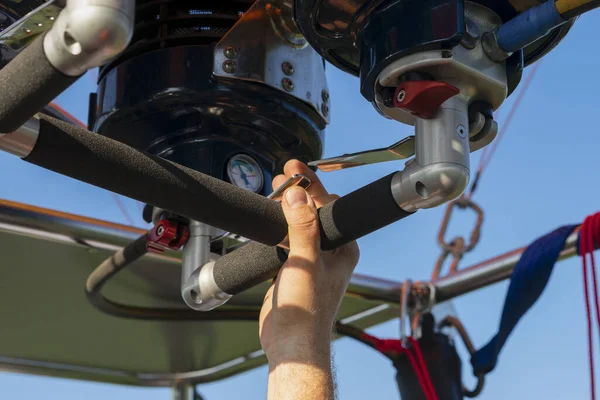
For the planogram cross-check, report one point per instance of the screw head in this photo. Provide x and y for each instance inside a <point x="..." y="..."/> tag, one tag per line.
<point x="400" y="96"/>
<point x="230" y="52"/>
<point x="325" y="109"/>
<point x="287" y="68"/>
<point x="229" y="66"/>
<point x="462" y="131"/>
<point x="325" y="96"/>
<point x="287" y="84"/>
<point x="471" y="35"/>
<point x="160" y="230"/>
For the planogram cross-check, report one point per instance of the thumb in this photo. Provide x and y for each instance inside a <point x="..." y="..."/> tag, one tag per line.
<point x="303" y="226"/>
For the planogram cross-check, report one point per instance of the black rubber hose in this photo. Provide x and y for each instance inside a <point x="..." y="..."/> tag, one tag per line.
<point x="27" y="84"/>
<point x="125" y="257"/>
<point x="109" y="164"/>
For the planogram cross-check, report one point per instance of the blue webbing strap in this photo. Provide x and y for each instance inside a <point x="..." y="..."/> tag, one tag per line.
<point x="528" y="281"/>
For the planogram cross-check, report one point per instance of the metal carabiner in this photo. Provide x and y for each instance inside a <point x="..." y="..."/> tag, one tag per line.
<point x="454" y="322"/>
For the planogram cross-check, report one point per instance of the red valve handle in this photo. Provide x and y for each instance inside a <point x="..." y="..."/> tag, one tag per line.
<point x="423" y="98"/>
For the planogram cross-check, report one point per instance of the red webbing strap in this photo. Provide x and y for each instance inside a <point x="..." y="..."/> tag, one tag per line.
<point x="589" y="239"/>
<point x="419" y="363"/>
<point x="415" y="357"/>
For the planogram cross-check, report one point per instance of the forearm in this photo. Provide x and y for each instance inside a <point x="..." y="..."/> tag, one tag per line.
<point x="301" y="372"/>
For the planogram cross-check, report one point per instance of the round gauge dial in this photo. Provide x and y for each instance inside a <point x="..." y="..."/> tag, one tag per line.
<point x="244" y="171"/>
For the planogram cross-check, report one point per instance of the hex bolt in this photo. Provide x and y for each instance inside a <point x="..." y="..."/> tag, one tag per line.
<point x="287" y="84"/>
<point x="160" y="230"/>
<point x="471" y="35"/>
<point x="400" y="96"/>
<point x="230" y="52"/>
<point x="229" y="66"/>
<point x="287" y="68"/>
<point x="325" y="96"/>
<point x="325" y="109"/>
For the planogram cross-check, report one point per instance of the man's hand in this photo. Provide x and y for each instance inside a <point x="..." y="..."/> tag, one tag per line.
<point x="297" y="317"/>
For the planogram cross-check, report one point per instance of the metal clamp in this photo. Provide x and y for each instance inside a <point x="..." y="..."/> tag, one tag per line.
<point x="277" y="56"/>
<point x="456" y="324"/>
<point x="87" y="34"/>
<point x="457" y="246"/>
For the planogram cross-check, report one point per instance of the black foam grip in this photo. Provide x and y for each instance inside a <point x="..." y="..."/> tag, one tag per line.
<point x="247" y="267"/>
<point x="359" y="213"/>
<point x="109" y="164"/>
<point x="348" y="218"/>
<point x="27" y="84"/>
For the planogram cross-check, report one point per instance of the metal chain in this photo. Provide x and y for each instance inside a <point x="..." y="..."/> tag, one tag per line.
<point x="458" y="246"/>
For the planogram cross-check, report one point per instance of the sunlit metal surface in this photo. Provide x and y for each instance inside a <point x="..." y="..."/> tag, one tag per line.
<point x="48" y="328"/>
<point x="489" y="272"/>
<point x="398" y="151"/>
<point x="23" y="32"/>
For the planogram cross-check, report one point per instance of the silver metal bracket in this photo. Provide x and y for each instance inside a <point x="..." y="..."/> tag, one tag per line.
<point x="277" y="56"/>
<point x="88" y="33"/>
<point x="20" y="34"/>
<point x="468" y="68"/>
<point x="198" y="288"/>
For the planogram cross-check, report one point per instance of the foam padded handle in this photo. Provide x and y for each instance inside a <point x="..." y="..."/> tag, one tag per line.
<point x="347" y="218"/>
<point x="27" y="84"/>
<point x="359" y="213"/>
<point x="112" y="165"/>
<point x="247" y="267"/>
<point x="88" y="157"/>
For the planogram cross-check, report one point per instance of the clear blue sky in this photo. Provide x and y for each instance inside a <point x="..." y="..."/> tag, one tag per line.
<point x="543" y="175"/>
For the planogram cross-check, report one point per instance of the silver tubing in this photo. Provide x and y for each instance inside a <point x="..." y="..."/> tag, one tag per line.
<point x="489" y="272"/>
<point x="22" y="141"/>
<point x="198" y="288"/>
<point x="88" y="33"/>
<point x="184" y="392"/>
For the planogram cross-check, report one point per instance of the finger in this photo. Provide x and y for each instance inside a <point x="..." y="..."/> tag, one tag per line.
<point x="296" y="167"/>
<point x="303" y="226"/>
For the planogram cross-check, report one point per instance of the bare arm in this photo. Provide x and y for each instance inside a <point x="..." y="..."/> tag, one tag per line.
<point x="297" y="317"/>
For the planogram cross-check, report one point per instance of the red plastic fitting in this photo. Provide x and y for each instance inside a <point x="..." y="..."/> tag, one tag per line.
<point x="423" y="98"/>
<point x="167" y="235"/>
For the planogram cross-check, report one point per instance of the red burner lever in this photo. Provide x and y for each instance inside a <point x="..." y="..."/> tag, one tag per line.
<point x="166" y="235"/>
<point x="423" y="98"/>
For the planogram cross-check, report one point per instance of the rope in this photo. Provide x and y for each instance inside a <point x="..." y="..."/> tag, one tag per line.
<point x="589" y="239"/>
<point x="488" y="152"/>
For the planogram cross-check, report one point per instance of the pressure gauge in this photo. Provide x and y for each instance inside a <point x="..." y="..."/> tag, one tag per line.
<point x="244" y="171"/>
